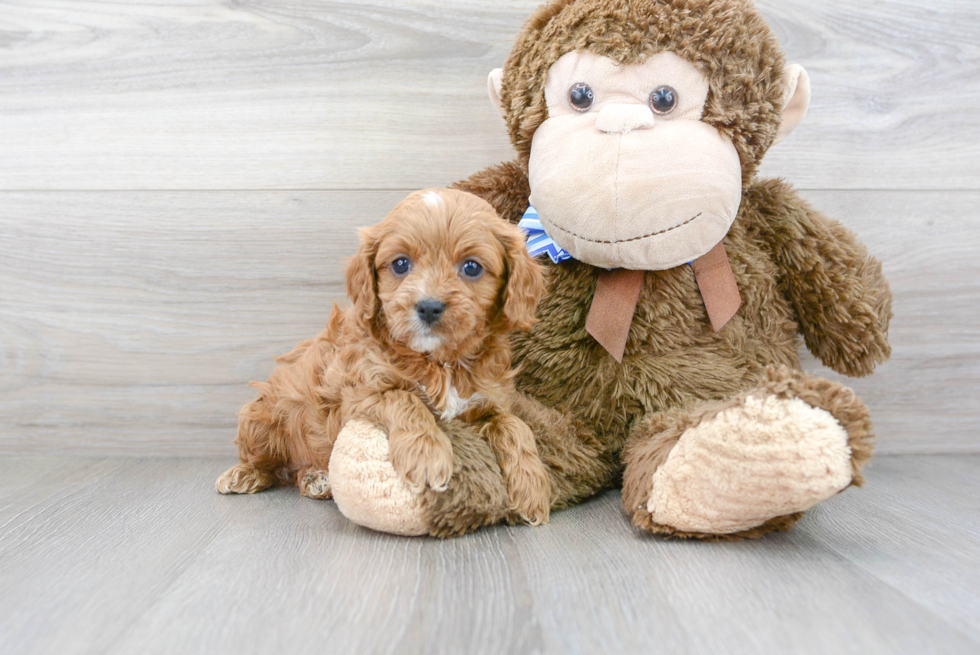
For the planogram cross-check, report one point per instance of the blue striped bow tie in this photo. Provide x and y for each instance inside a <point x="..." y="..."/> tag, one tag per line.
<point x="538" y="241"/>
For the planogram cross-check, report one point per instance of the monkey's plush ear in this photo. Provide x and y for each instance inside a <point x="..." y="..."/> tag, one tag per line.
<point x="361" y="281"/>
<point x="796" y="99"/>
<point x="494" y="84"/>
<point x="525" y="281"/>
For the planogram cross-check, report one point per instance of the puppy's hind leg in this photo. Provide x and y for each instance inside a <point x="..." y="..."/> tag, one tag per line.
<point x="260" y="448"/>
<point x="244" y="479"/>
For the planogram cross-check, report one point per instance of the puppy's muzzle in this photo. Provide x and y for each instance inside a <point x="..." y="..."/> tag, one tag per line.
<point x="430" y="311"/>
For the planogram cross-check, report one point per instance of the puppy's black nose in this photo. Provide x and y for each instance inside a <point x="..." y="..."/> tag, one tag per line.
<point x="430" y="311"/>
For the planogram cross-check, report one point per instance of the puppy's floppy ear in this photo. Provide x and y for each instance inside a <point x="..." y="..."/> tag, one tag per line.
<point x="362" y="283"/>
<point x="525" y="281"/>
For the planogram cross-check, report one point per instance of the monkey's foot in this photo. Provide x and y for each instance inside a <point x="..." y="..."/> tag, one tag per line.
<point x="366" y="487"/>
<point x="244" y="479"/>
<point x="755" y="463"/>
<point x="764" y="458"/>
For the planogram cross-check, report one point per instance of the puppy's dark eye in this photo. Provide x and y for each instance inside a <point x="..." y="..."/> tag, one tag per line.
<point x="663" y="100"/>
<point x="401" y="266"/>
<point x="582" y="97"/>
<point x="472" y="269"/>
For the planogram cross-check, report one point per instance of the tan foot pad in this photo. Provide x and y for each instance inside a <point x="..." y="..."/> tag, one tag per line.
<point x="752" y="462"/>
<point x="366" y="487"/>
<point x="315" y="484"/>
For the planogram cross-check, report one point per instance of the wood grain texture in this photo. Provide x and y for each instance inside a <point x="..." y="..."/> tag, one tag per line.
<point x="133" y="320"/>
<point x="141" y="556"/>
<point x="94" y="543"/>
<point x="923" y="536"/>
<point x="130" y="322"/>
<point x="925" y="398"/>
<point x="338" y="95"/>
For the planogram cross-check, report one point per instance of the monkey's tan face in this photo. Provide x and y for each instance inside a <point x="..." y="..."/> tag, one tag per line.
<point x="623" y="172"/>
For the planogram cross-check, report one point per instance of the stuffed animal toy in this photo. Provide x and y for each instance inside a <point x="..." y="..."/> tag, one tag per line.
<point x="679" y="285"/>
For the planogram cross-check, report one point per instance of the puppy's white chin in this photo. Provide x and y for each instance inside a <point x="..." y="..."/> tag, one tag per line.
<point x="425" y="343"/>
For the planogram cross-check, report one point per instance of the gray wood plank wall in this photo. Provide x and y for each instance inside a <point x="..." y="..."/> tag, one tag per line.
<point x="179" y="183"/>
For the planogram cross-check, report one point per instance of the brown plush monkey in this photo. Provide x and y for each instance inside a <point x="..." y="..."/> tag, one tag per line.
<point x="639" y="126"/>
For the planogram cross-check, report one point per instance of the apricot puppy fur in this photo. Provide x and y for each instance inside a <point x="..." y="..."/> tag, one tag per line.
<point x="435" y="289"/>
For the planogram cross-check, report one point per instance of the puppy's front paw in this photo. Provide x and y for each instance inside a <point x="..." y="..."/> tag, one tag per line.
<point x="534" y="511"/>
<point x="425" y="459"/>
<point x="530" y="492"/>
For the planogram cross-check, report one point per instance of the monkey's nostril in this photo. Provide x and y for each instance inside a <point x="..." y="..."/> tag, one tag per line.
<point x="430" y="311"/>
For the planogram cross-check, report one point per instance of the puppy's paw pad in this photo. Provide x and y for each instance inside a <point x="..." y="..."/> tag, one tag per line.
<point x="315" y="484"/>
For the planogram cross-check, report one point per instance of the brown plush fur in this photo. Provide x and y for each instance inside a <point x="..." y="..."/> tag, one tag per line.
<point x="789" y="262"/>
<point x="477" y="495"/>
<point x="653" y="439"/>
<point x="727" y="40"/>
<point x="379" y="361"/>
<point x="798" y="273"/>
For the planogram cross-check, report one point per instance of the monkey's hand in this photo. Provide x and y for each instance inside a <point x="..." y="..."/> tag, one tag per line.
<point x="366" y="487"/>
<point x="842" y="300"/>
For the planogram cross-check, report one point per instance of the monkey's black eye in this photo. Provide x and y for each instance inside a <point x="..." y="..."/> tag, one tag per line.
<point x="401" y="266"/>
<point x="472" y="269"/>
<point x="581" y="97"/>
<point x="663" y="100"/>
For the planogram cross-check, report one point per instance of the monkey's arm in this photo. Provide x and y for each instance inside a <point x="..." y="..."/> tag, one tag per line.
<point x="842" y="300"/>
<point x="504" y="186"/>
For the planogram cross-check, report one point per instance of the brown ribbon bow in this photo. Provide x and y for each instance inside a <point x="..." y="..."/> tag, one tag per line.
<point x="617" y="292"/>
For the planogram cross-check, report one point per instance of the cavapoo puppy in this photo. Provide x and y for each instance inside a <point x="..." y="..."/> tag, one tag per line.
<point x="435" y="289"/>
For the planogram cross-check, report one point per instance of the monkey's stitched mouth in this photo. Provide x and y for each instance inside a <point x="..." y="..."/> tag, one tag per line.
<point x="642" y="236"/>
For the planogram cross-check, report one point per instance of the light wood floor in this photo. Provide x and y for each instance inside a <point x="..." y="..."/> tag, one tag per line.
<point x="180" y="183"/>
<point x="126" y="555"/>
